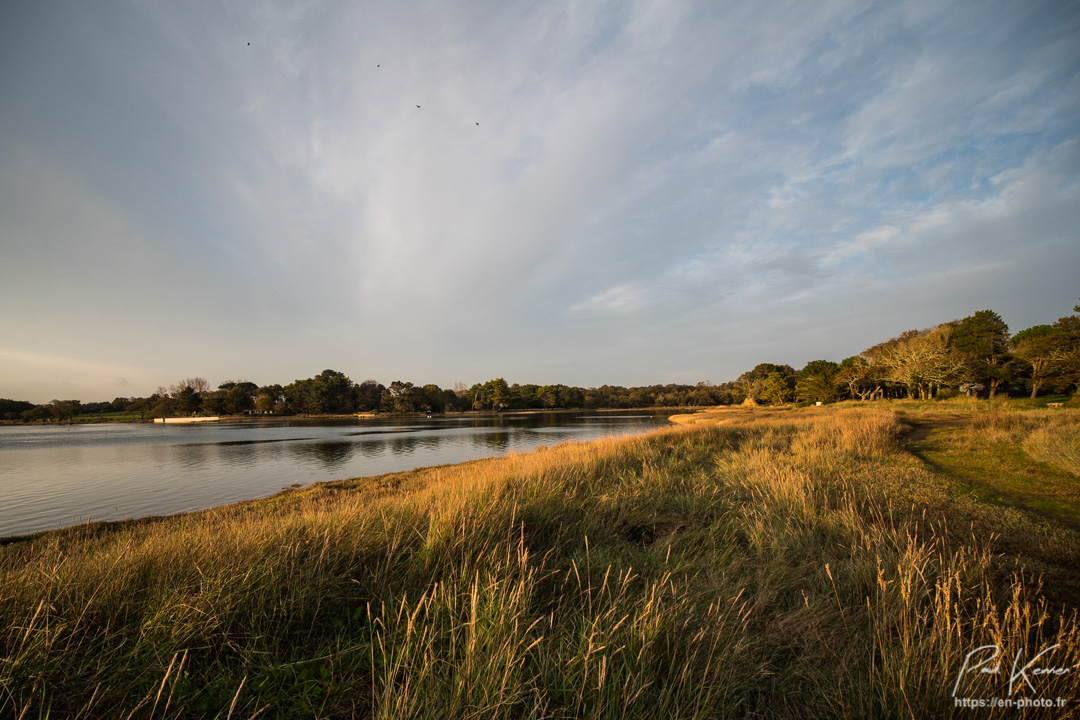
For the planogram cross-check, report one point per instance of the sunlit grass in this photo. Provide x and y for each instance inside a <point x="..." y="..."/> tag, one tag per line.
<point x="777" y="564"/>
<point x="1014" y="458"/>
<point x="1057" y="444"/>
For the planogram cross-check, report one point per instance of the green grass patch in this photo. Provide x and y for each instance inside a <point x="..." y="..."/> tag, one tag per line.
<point x="107" y="417"/>
<point x="1006" y="475"/>
<point x="1029" y="460"/>
<point x="1043" y="401"/>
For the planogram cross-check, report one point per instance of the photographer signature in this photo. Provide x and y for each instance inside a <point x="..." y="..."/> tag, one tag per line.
<point x="1025" y="673"/>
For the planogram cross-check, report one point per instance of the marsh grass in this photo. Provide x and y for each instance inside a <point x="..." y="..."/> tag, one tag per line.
<point x="768" y="564"/>
<point x="1057" y="444"/>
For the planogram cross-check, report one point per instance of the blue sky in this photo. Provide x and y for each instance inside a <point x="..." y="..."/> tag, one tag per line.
<point x="655" y="191"/>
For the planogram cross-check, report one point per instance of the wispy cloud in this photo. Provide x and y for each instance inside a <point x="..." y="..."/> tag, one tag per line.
<point x="617" y="177"/>
<point x="616" y="300"/>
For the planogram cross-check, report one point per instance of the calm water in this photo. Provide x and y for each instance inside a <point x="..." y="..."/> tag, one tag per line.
<point x="56" y="476"/>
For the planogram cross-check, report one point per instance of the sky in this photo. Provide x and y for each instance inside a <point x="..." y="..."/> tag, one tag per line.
<point x="629" y="192"/>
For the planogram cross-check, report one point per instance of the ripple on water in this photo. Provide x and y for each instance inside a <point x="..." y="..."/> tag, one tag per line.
<point x="52" y="477"/>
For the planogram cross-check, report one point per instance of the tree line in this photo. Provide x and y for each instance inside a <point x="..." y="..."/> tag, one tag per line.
<point x="333" y="393"/>
<point x="975" y="355"/>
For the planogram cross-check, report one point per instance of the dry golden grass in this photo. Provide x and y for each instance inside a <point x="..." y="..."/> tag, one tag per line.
<point x="775" y="564"/>
<point x="1057" y="444"/>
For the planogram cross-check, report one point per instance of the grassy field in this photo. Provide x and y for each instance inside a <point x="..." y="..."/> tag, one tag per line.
<point x="108" y="417"/>
<point x="824" y="562"/>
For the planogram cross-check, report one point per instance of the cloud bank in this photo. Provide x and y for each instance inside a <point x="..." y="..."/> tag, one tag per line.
<point x="622" y="192"/>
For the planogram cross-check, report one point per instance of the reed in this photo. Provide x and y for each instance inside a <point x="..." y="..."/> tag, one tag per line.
<point x="790" y="564"/>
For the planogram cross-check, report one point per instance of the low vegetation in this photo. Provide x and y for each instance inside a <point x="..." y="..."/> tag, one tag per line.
<point x="820" y="562"/>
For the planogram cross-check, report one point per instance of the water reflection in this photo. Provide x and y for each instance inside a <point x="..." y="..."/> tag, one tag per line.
<point x="412" y="445"/>
<point x="329" y="455"/>
<point x="382" y="432"/>
<point x="495" y="442"/>
<point x="231" y="443"/>
<point x="52" y="476"/>
<point x="193" y="456"/>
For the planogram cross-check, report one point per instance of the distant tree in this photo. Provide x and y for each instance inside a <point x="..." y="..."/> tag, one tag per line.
<point x="499" y="393"/>
<point x="428" y="398"/>
<point x="1070" y="365"/>
<point x="494" y="394"/>
<point x="726" y="394"/>
<point x="399" y="400"/>
<point x="270" y="399"/>
<point x="1070" y="323"/>
<point x="475" y="397"/>
<point x="982" y="340"/>
<point x="775" y="389"/>
<point x="524" y="396"/>
<point x="240" y="397"/>
<point x="751" y="383"/>
<point x="141" y="406"/>
<point x="161" y="403"/>
<point x="329" y="392"/>
<point x="1050" y="354"/>
<point x="198" y="384"/>
<point x="1067" y="368"/>
<point x="65" y="409"/>
<point x="300" y="397"/>
<point x="186" y="395"/>
<point x="920" y="361"/>
<point x="1040" y="349"/>
<point x="420" y="399"/>
<point x="441" y="400"/>
<point x="827" y="368"/>
<point x="407" y="398"/>
<point x="858" y="376"/>
<point x="547" y="396"/>
<point x="642" y="397"/>
<point x="817" y="381"/>
<point x="40" y="413"/>
<point x="570" y="397"/>
<point x="187" y="400"/>
<point x="14" y="409"/>
<point x="434" y="398"/>
<point x="369" y="395"/>
<point x="213" y="402"/>
<point x="95" y="408"/>
<point x="700" y="396"/>
<point x="334" y="392"/>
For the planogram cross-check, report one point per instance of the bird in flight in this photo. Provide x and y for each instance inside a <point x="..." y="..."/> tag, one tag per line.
<point x="417" y="107"/>
<point x="249" y="44"/>
<point x="477" y="124"/>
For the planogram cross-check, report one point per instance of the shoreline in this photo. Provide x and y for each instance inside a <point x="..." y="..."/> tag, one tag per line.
<point x="119" y="523"/>
<point x="347" y="416"/>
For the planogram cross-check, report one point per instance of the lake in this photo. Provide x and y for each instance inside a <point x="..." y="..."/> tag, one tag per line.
<point x="56" y="476"/>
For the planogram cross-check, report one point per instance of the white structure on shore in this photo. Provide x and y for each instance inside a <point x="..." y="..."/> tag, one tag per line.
<point x="186" y="420"/>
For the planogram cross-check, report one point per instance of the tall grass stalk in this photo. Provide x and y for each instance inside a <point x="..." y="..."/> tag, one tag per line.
<point x="779" y="565"/>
